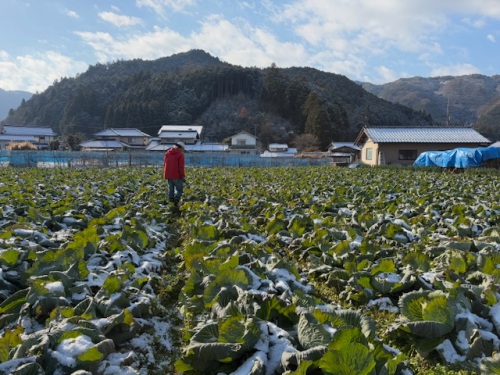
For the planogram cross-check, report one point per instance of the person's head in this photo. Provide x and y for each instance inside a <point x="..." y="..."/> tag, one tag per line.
<point x="181" y="146"/>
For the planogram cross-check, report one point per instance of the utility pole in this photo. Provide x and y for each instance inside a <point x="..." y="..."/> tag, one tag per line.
<point x="448" y="116"/>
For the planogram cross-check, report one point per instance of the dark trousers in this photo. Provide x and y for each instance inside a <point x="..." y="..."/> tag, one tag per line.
<point x="175" y="190"/>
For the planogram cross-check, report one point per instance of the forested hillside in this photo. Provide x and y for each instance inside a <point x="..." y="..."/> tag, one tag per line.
<point x="197" y="88"/>
<point x="471" y="100"/>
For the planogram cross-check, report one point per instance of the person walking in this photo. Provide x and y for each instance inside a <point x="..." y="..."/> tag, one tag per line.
<point x="173" y="171"/>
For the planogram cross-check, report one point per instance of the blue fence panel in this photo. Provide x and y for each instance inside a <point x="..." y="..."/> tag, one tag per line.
<point x="77" y="159"/>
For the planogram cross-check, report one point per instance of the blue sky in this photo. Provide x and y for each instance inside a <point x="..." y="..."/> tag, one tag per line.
<point x="376" y="41"/>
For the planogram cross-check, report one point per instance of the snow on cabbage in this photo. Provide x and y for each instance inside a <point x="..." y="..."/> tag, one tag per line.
<point x="263" y="271"/>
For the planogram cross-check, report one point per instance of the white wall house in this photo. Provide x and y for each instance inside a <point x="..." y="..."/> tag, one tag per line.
<point x="243" y="143"/>
<point x="189" y="134"/>
<point x="168" y="135"/>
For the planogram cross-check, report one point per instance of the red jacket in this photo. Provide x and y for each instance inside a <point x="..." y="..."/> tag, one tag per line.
<point x="173" y="164"/>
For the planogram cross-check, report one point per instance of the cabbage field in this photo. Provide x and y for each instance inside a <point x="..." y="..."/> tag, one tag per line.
<point x="284" y="270"/>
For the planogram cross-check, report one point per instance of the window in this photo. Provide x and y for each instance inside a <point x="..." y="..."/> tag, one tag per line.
<point x="241" y="142"/>
<point x="407" y="154"/>
<point x="369" y="154"/>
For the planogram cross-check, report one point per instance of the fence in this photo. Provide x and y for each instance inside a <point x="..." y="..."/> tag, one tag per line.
<point x="75" y="159"/>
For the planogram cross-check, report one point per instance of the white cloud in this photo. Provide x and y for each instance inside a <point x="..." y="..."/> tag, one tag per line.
<point x="240" y="45"/>
<point x="160" y="42"/>
<point x="388" y="75"/>
<point x="476" y="23"/>
<point x="72" y="14"/>
<point x="246" y="45"/>
<point x="486" y="8"/>
<point x="491" y="38"/>
<point x="454" y="70"/>
<point x="365" y="26"/>
<point x="36" y="72"/>
<point x="119" y="20"/>
<point x="350" y="66"/>
<point x="159" y="5"/>
<point x="246" y="5"/>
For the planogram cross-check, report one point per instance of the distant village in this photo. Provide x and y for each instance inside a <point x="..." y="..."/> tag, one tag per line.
<point x="373" y="146"/>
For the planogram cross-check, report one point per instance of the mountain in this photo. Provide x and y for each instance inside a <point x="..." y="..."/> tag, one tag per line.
<point x="196" y="88"/>
<point x="471" y="100"/>
<point x="10" y="100"/>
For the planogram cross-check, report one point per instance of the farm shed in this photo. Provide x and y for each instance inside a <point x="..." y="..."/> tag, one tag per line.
<point x="343" y="153"/>
<point x="401" y="146"/>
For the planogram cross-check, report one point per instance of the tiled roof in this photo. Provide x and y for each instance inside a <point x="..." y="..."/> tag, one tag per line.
<point x="103" y="144"/>
<point x="335" y="145"/>
<point x="244" y="133"/>
<point x="155" y="145"/>
<point x="122" y="132"/>
<point x="27" y="130"/>
<point x="425" y="135"/>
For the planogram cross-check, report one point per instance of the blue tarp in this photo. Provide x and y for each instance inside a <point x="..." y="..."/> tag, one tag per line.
<point x="458" y="157"/>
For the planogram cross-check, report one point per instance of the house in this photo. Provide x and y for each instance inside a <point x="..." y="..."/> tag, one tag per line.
<point x="117" y="139"/>
<point x="243" y="143"/>
<point x="401" y="146"/>
<point x="343" y="153"/>
<point x="131" y="137"/>
<point x="40" y="136"/>
<point x="171" y="134"/>
<point x="276" y="150"/>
